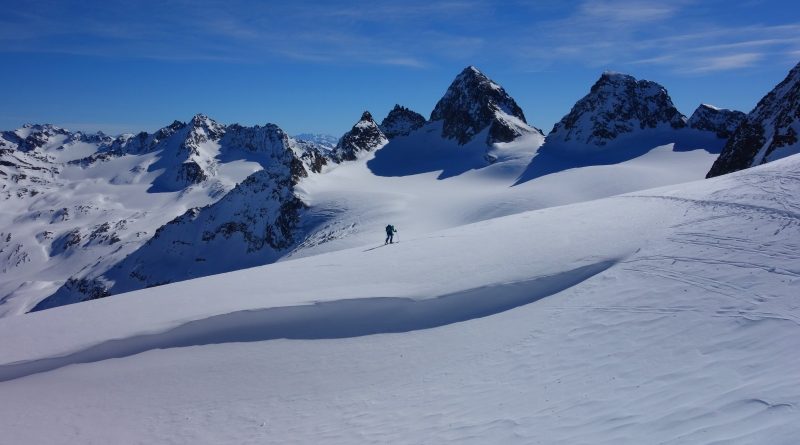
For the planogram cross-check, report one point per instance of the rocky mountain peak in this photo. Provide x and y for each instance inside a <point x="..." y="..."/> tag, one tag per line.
<point x="474" y="102"/>
<point x="617" y="104"/>
<point x="768" y="133"/>
<point x="401" y="121"/>
<point x="366" y="116"/>
<point x="721" y="121"/>
<point x="205" y="126"/>
<point x="363" y="137"/>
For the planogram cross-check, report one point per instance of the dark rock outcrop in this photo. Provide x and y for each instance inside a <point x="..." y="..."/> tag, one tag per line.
<point x="401" y="121"/>
<point x="770" y="131"/>
<point x="616" y="104"/>
<point x="363" y="137"/>
<point x="720" y="121"/>
<point x="474" y="102"/>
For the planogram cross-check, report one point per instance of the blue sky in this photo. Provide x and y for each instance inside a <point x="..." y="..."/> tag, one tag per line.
<point x="314" y="66"/>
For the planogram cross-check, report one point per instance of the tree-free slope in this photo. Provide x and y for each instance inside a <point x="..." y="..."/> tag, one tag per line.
<point x="674" y="322"/>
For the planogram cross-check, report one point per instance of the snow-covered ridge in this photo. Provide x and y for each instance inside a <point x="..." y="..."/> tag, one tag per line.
<point x="770" y="131"/>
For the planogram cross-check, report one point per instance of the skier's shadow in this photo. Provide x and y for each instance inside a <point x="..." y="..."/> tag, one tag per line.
<point x="378" y="247"/>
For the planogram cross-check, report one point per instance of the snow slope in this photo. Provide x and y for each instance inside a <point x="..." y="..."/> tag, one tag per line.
<point x="449" y="185"/>
<point x="662" y="316"/>
<point x="166" y="206"/>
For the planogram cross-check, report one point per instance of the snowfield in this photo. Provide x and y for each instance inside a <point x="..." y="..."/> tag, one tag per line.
<point x="668" y="315"/>
<point x="420" y="184"/>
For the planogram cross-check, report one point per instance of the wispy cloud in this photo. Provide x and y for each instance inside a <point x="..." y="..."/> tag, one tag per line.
<point x="625" y="11"/>
<point x="376" y="32"/>
<point x="413" y="34"/>
<point x="619" y="33"/>
<point x="724" y="63"/>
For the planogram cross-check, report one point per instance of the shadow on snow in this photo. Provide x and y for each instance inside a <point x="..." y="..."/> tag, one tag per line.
<point x="324" y="320"/>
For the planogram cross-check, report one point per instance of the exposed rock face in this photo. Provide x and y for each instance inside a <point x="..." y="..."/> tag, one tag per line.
<point x="252" y="224"/>
<point x="363" y="137"/>
<point x="474" y="102"/>
<point x="190" y="172"/>
<point x="617" y="104"/>
<point x="400" y="122"/>
<point x="75" y="289"/>
<point x="25" y="173"/>
<point x="202" y="160"/>
<point x="770" y="131"/>
<point x="30" y="137"/>
<point x="721" y="121"/>
<point x="313" y="156"/>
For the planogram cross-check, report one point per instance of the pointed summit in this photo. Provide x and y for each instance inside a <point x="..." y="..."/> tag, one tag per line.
<point x="366" y="116"/>
<point x="363" y="137"/>
<point x="770" y="131"/>
<point x="199" y="118"/>
<point x="206" y="127"/>
<point x="616" y="104"/>
<point x="474" y="102"/>
<point x="400" y="122"/>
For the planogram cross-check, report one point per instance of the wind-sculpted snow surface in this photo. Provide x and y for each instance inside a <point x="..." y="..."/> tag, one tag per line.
<point x="325" y="320"/>
<point x="671" y="317"/>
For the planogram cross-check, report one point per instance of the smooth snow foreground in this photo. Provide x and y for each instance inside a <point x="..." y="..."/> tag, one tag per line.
<point x="668" y="315"/>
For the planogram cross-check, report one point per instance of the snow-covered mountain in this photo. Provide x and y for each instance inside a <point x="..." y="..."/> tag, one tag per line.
<point x="611" y="296"/>
<point x="400" y="122"/>
<point x="364" y="137"/>
<point x="770" y="131"/>
<point x="75" y="204"/>
<point x="618" y="104"/>
<point x="622" y="118"/>
<point x="663" y="316"/>
<point x="200" y="198"/>
<point x="253" y="224"/>
<point x="722" y="122"/>
<point x="472" y="103"/>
